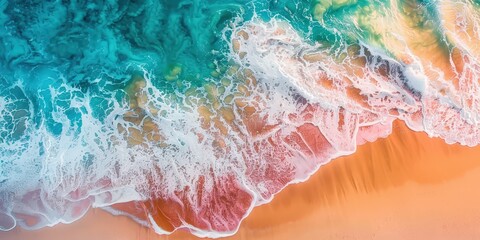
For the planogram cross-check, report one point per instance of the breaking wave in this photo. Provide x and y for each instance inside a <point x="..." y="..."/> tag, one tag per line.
<point x="188" y="114"/>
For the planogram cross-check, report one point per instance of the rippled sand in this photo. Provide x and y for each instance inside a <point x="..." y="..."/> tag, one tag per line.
<point x="407" y="186"/>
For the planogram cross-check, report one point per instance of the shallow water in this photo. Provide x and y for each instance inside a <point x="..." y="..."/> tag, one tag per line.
<point x="189" y="114"/>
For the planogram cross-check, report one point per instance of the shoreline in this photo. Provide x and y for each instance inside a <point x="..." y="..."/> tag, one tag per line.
<point x="402" y="187"/>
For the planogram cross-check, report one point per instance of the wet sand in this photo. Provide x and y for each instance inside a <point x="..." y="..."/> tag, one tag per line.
<point x="407" y="186"/>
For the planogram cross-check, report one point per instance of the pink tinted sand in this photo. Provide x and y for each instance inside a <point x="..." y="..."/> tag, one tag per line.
<point x="407" y="186"/>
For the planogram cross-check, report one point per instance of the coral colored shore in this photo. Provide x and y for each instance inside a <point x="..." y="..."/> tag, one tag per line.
<point x="407" y="186"/>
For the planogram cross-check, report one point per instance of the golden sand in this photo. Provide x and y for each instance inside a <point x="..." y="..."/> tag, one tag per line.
<point x="407" y="186"/>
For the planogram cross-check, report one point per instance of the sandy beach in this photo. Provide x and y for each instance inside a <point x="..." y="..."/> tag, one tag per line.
<point x="407" y="186"/>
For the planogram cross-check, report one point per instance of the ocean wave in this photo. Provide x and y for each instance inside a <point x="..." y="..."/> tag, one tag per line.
<point x="193" y="128"/>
